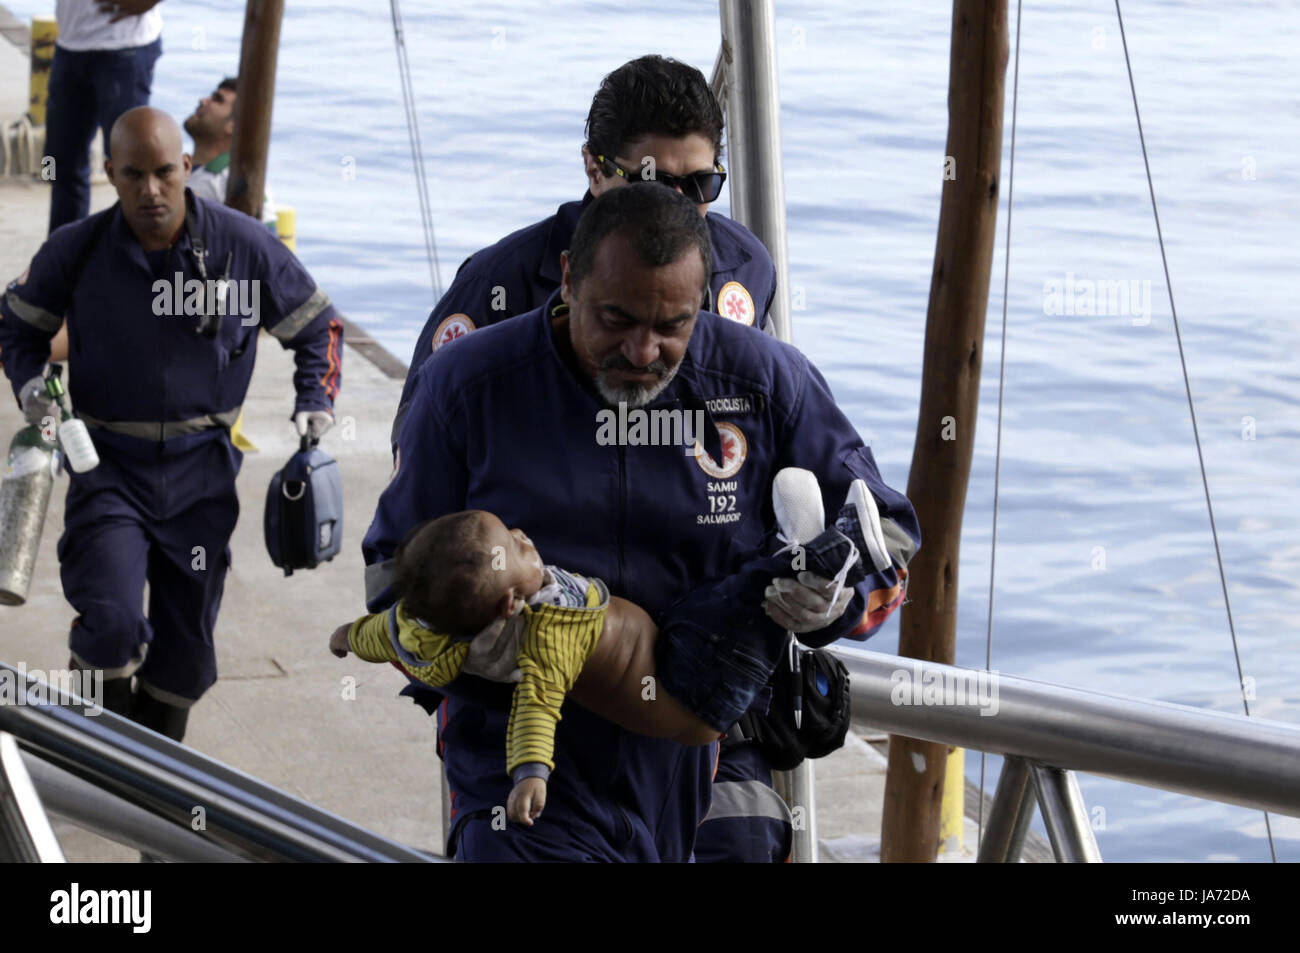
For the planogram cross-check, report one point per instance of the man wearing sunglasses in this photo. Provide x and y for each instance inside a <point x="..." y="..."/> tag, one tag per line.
<point x="653" y="119"/>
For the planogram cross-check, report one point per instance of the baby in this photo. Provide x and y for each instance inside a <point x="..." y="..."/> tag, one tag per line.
<point x="713" y="653"/>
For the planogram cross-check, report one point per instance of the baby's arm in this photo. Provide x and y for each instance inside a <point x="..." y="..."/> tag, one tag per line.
<point x="437" y="662"/>
<point x="618" y="682"/>
<point x="526" y="801"/>
<point x="367" y="637"/>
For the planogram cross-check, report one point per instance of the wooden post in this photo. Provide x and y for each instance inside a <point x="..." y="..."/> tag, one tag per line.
<point x="253" y="104"/>
<point x="945" y="431"/>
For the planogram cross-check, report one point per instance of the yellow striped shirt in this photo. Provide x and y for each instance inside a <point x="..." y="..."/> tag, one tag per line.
<point x="555" y="644"/>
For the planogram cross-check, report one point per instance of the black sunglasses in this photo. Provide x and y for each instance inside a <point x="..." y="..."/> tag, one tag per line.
<point x="699" y="187"/>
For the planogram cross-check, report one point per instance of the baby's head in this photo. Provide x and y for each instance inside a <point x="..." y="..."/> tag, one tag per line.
<point x="462" y="570"/>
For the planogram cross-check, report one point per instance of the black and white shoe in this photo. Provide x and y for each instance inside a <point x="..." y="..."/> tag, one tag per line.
<point x="859" y="520"/>
<point x="827" y="551"/>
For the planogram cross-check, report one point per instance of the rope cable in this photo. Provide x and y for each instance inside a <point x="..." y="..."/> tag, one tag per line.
<point x="417" y="149"/>
<point x="1191" y="407"/>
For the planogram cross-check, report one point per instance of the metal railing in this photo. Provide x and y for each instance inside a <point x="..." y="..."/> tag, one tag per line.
<point x="114" y="777"/>
<point x="231" y="814"/>
<point x="1046" y="731"/>
<point x="25" y="832"/>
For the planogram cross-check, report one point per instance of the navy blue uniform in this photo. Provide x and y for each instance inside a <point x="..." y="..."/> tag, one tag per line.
<point x="520" y="272"/>
<point x="159" y="398"/>
<point x="499" y="421"/>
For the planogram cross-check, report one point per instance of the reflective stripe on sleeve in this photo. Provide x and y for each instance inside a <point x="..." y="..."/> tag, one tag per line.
<point x="38" y="318"/>
<point x="747" y="799"/>
<point x="301" y="316"/>
<point x="897" y="542"/>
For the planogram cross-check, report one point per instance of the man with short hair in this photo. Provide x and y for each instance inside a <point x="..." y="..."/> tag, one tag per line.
<point x="653" y="118"/>
<point x="508" y="421"/>
<point x="212" y="127"/>
<point x="163" y="295"/>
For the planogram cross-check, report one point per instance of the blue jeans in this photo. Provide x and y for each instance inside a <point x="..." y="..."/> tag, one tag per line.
<point x="89" y="90"/>
<point x="717" y="648"/>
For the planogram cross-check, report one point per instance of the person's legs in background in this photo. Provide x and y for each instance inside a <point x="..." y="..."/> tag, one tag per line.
<point x="88" y="89"/>
<point x="748" y="822"/>
<point x="70" y="118"/>
<point x="124" y="79"/>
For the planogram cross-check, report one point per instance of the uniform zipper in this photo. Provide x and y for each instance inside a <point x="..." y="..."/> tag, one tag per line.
<point x="622" y="516"/>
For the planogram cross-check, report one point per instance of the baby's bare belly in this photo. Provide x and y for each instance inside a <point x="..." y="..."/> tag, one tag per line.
<point x="618" y="682"/>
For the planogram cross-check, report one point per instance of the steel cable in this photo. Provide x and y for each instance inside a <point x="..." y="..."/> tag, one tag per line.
<point x="417" y="149"/>
<point x="1191" y="407"/>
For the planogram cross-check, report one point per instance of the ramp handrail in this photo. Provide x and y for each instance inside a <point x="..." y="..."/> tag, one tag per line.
<point x="1251" y="762"/>
<point x="240" y="813"/>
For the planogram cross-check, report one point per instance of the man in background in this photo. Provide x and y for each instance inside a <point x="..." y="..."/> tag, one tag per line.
<point x="212" y="127"/>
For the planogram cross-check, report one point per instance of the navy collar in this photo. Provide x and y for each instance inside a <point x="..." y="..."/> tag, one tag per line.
<point x="728" y="254"/>
<point x="562" y="229"/>
<point x="121" y="236"/>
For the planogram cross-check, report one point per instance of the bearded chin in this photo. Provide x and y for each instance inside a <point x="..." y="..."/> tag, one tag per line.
<point x="633" y="395"/>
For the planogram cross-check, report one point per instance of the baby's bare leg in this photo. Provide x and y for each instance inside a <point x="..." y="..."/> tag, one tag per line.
<point x="619" y="684"/>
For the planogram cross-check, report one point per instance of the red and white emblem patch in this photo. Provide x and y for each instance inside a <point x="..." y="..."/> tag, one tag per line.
<point x="735" y="303"/>
<point x="452" y="327"/>
<point x="734" y="450"/>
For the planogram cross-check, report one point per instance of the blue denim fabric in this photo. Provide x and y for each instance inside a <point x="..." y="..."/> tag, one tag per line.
<point x="717" y="648"/>
<point x="88" y="90"/>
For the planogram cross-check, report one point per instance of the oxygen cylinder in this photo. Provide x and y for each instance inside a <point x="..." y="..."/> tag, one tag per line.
<point x="24" y="498"/>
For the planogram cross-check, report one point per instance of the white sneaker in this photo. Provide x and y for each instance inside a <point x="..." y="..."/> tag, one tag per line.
<point x="859" y="520"/>
<point x="797" y="500"/>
